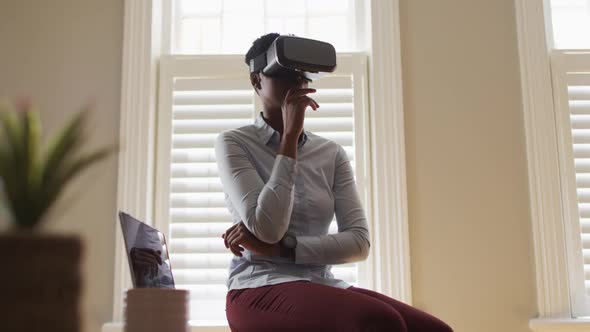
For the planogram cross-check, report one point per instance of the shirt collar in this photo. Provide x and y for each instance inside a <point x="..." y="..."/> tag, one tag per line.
<point x="266" y="133"/>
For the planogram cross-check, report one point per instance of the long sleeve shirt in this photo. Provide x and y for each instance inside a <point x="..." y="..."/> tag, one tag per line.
<point x="272" y="194"/>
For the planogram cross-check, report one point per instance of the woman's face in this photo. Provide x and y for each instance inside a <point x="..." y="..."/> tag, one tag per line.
<point x="272" y="89"/>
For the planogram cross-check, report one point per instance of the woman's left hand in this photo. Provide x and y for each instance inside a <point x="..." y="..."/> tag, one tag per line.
<point x="238" y="235"/>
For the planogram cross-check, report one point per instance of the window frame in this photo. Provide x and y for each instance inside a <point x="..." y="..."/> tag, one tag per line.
<point x="549" y="215"/>
<point x="147" y="37"/>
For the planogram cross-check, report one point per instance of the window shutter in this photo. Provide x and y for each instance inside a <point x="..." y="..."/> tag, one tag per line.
<point x="201" y="96"/>
<point x="571" y="75"/>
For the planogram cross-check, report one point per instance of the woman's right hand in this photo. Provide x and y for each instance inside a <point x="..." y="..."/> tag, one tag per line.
<point x="294" y="105"/>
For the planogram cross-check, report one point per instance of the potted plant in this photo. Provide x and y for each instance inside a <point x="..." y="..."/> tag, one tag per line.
<point x="40" y="280"/>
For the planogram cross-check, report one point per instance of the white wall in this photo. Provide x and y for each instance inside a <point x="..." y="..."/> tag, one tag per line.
<point x="63" y="54"/>
<point x="470" y="230"/>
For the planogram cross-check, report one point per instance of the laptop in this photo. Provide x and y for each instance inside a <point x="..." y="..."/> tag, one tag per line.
<point x="147" y="254"/>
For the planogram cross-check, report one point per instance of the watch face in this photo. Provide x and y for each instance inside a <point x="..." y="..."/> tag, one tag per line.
<point x="290" y="241"/>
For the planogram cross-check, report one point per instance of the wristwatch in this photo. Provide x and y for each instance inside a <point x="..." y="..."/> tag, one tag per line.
<point x="288" y="244"/>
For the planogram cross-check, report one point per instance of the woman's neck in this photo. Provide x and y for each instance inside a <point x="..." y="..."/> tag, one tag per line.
<point x="274" y="118"/>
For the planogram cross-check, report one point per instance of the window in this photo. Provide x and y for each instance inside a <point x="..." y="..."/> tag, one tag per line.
<point x="155" y="77"/>
<point x="196" y="105"/>
<point x="571" y="23"/>
<point x="571" y="94"/>
<point x="230" y="26"/>
<point x="204" y="94"/>
<point x="571" y="84"/>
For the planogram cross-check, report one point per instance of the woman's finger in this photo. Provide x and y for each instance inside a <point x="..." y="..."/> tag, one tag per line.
<point x="237" y="250"/>
<point x="236" y="240"/>
<point x="316" y="104"/>
<point x="231" y="232"/>
<point x="296" y="93"/>
<point x="306" y="101"/>
<point x="227" y="231"/>
<point x="225" y="240"/>
<point x="232" y="236"/>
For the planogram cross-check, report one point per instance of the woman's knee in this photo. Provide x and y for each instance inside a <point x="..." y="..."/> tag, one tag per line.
<point x="443" y="327"/>
<point x="431" y="326"/>
<point x="385" y="319"/>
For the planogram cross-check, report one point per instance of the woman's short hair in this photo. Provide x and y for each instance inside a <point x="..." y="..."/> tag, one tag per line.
<point x="259" y="46"/>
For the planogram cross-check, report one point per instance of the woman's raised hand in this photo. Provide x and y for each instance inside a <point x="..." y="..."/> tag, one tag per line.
<point x="293" y="108"/>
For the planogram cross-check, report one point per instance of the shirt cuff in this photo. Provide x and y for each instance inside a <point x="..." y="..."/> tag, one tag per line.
<point x="284" y="171"/>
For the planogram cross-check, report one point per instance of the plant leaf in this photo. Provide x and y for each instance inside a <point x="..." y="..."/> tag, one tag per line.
<point x="65" y="174"/>
<point x="64" y="146"/>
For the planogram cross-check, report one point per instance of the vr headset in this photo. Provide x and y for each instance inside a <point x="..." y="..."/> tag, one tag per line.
<point x="290" y="55"/>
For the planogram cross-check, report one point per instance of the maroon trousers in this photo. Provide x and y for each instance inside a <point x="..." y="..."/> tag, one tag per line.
<point x="309" y="307"/>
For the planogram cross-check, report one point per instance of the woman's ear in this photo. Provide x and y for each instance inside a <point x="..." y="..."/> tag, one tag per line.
<point x="255" y="80"/>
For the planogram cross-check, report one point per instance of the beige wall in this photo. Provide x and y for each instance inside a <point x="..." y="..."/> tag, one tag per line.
<point x="62" y="54"/>
<point x="469" y="223"/>
<point x="470" y="232"/>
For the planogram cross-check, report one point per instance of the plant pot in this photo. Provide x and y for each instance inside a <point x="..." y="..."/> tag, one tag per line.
<point x="40" y="282"/>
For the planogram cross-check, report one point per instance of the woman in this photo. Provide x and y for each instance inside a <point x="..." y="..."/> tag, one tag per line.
<point x="283" y="185"/>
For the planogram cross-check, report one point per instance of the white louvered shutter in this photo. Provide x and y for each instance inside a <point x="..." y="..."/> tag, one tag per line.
<point x="571" y="75"/>
<point x="201" y="96"/>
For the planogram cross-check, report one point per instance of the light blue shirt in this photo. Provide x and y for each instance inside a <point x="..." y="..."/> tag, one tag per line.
<point x="273" y="194"/>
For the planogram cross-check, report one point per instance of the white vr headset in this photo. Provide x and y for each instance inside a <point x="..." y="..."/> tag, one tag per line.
<point x="288" y="54"/>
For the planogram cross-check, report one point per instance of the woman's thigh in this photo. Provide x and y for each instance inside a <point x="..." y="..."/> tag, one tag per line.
<point x="306" y="306"/>
<point x="416" y="320"/>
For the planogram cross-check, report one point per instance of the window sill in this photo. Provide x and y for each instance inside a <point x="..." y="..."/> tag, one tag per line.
<point x="118" y="327"/>
<point x="560" y="324"/>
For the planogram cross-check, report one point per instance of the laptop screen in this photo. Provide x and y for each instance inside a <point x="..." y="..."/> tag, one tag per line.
<point x="147" y="254"/>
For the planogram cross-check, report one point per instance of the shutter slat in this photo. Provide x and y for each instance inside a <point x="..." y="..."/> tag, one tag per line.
<point x="329" y="124"/>
<point x="583" y="180"/>
<point x="215" y="111"/>
<point x="580" y="121"/>
<point x="581" y="150"/>
<point x="212" y="84"/>
<point x="332" y="82"/>
<point x="197" y="200"/>
<point x="342" y="138"/>
<point x="198" y="230"/>
<point x="209" y="214"/>
<point x="200" y="261"/>
<point x="579" y="92"/>
<point x="198" y="185"/>
<point x="581" y="136"/>
<point x="207" y="126"/>
<point x="330" y="110"/>
<point x="583" y="195"/>
<point x="200" y="276"/>
<point x="244" y="97"/>
<point x="332" y="96"/>
<point x="191" y="170"/>
<point x="209" y="245"/>
<point x="199" y="155"/>
<point x="582" y="165"/>
<point x="580" y="106"/>
<point x="584" y="210"/>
